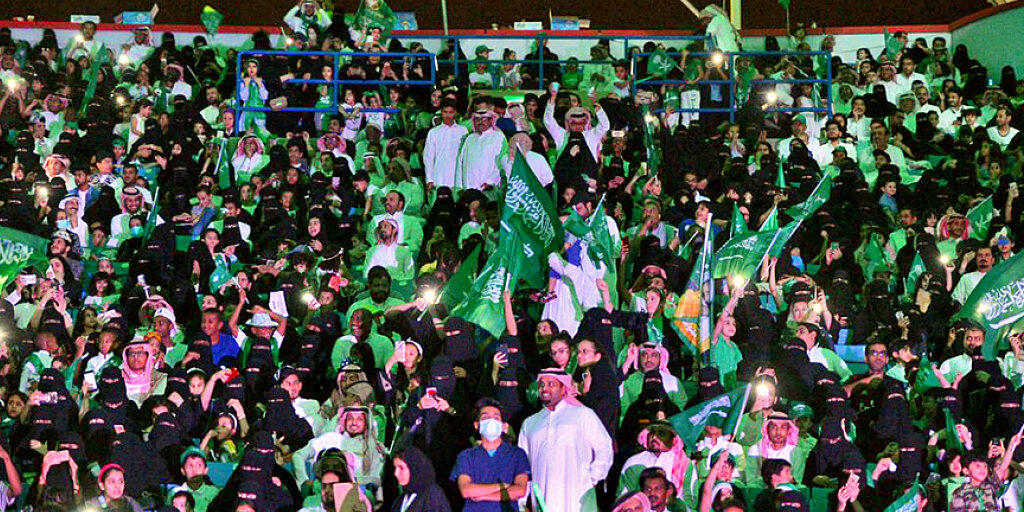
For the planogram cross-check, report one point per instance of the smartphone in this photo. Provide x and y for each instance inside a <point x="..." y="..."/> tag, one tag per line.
<point x="90" y="379"/>
<point x="432" y="392"/>
<point x="854" y="479"/>
<point x="400" y="346"/>
<point x="29" y="279"/>
<point x="503" y="349"/>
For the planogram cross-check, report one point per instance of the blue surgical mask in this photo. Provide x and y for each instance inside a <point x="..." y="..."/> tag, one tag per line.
<point x="490" y="428"/>
<point x="63" y="224"/>
<point x="135" y="230"/>
<point x="798" y="262"/>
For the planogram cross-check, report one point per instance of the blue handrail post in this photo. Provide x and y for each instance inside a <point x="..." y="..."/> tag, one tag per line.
<point x="828" y="85"/>
<point x="238" y="98"/>
<point x="540" y="58"/>
<point x="337" y="69"/>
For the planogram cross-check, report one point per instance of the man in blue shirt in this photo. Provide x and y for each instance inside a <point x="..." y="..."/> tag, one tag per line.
<point x="493" y="475"/>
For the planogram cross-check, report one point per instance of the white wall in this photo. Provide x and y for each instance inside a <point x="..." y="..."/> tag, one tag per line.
<point x="993" y="40"/>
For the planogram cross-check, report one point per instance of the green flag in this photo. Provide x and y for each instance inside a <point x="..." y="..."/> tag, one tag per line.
<point x="738" y="224"/>
<point x="742" y="254"/>
<point x="819" y="196"/>
<point x="780" y="241"/>
<point x="91" y="77"/>
<point x="772" y="222"/>
<point x="459" y="284"/>
<point x="19" y="250"/>
<point x="594" y="232"/>
<point x="953" y="441"/>
<point x="981" y="218"/>
<point x="784" y="4"/>
<point x="926" y="378"/>
<point x="530" y="211"/>
<point x="211" y="20"/>
<point x="997" y="303"/>
<point x="653" y="156"/>
<point x="724" y="411"/>
<point x="910" y="284"/>
<point x="530" y="230"/>
<point x="780" y="177"/>
<point x="660" y="62"/>
<point x="910" y="500"/>
<point x="892" y="45"/>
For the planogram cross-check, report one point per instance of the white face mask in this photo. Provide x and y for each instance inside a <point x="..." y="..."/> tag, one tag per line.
<point x="490" y="429"/>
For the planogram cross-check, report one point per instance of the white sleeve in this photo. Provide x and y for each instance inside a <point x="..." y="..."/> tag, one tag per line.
<point x="601" y="444"/>
<point x="429" y="150"/>
<point x="557" y="132"/>
<point x="603" y="124"/>
<point x="291" y="18"/>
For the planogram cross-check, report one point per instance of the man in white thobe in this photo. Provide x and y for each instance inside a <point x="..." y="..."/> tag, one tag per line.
<point x="538" y="164"/>
<point x="569" y="449"/>
<point x="477" y="162"/>
<point x="442" y="147"/>
<point x="577" y="119"/>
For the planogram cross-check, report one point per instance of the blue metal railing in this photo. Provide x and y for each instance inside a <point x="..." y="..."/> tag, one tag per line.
<point x="337" y="58"/>
<point x="732" y="81"/>
<point x="540" y="61"/>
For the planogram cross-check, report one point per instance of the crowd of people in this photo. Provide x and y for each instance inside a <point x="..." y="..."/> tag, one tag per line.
<point x="253" y="312"/>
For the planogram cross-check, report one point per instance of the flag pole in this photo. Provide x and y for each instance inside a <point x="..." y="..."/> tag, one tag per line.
<point x="739" y="422"/>
<point x="709" y="296"/>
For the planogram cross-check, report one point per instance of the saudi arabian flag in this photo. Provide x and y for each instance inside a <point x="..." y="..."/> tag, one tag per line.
<point x="784" y="4"/>
<point x="459" y="284"/>
<point x="601" y="246"/>
<point x="529" y="232"/>
<point x="909" y="502"/>
<point x="483" y="304"/>
<point x="653" y="156"/>
<point x="818" y="197"/>
<point x="981" y="218"/>
<point x="780" y="241"/>
<point x="926" y="378"/>
<point x="780" y="177"/>
<point x="910" y="284"/>
<point x="659" y="62"/>
<point x="724" y="411"/>
<point x="997" y="303"/>
<point x="742" y="254"/>
<point x="19" y="250"/>
<point x="772" y="222"/>
<point x="738" y="225"/>
<point x="211" y="20"/>
<point x="530" y="211"/>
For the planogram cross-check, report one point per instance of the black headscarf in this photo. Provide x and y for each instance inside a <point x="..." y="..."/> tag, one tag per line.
<point x="281" y="419"/>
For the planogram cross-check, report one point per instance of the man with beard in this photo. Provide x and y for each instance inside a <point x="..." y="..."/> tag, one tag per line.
<point x="569" y="449"/>
<point x="410" y="227"/>
<point x="212" y="110"/>
<point x="389" y="254"/>
<point x="961" y="365"/>
<point x="132" y="202"/>
<point x="380" y="298"/>
<point x="361" y="331"/>
<point x="578" y="143"/>
<point x="779" y="441"/>
<point x="860" y="387"/>
<point x="662" y="449"/>
<point x="193" y="467"/>
<point x="984" y="260"/>
<point x="476" y="165"/>
<point x="355" y="435"/>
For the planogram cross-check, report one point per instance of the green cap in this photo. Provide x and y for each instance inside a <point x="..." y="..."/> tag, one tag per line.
<point x="482" y="48"/>
<point x="192" y="451"/>
<point x="799" y="118"/>
<point x="801" y="410"/>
